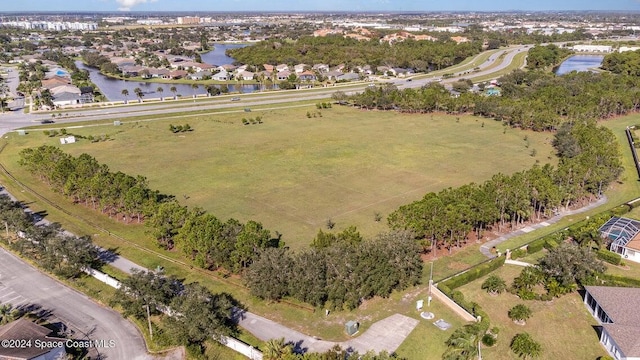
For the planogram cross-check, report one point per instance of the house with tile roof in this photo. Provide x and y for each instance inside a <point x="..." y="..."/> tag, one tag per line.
<point x="616" y="309"/>
<point x="623" y="234"/>
<point x="26" y="330"/>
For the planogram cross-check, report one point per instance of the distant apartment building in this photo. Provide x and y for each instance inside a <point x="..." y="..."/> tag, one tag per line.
<point x="150" y="22"/>
<point x="188" y="20"/>
<point x="51" y="25"/>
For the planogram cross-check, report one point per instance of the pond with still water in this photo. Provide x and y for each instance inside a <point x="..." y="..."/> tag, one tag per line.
<point x="580" y="63"/>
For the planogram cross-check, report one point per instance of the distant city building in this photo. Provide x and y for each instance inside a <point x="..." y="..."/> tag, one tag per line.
<point x="150" y="22"/>
<point x="592" y="48"/>
<point x="51" y="25"/>
<point x="628" y="48"/>
<point x="188" y="20"/>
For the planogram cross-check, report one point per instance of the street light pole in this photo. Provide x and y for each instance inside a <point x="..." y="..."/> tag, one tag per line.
<point x="149" y="321"/>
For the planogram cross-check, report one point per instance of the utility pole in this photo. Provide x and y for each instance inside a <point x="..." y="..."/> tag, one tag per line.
<point x="149" y="321"/>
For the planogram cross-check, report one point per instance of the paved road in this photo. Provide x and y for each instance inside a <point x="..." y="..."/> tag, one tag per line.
<point x="22" y="285"/>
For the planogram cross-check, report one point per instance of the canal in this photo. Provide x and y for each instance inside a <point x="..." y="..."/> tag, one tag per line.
<point x="112" y="88"/>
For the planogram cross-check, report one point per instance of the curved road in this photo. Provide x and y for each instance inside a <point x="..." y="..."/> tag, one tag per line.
<point x="23" y="285"/>
<point x="16" y="119"/>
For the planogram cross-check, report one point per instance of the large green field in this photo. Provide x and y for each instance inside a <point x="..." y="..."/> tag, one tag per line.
<point x="293" y="173"/>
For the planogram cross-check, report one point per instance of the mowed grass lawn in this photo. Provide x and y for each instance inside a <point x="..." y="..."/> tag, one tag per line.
<point x="563" y="327"/>
<point x="293" y="173"/>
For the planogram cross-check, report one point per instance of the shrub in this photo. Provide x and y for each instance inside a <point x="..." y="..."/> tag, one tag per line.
<point x="474" y="273"/>
<point x="609" y="256"/>
<point x="488" y="340"/>
<point x="550" y="244"/>
<point x="536" y="245"/>
<point x="518" y="253"/>
<point x="519" y="312"/>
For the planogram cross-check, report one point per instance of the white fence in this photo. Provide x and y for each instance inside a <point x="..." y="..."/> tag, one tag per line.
<point x="244" y="349"/>
<point x="232" y="343"/>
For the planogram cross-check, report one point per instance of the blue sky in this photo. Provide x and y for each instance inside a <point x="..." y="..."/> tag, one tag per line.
<point x="316" y="5"/>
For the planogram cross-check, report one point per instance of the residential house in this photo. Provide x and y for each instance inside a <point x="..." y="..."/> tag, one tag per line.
<point x="616" y="309"/>
<point x="245" y="75"/>
<point x="200" y="75"/>
<point x="283" y="75"/>
<point x="178" y="74"/>
<point x="26" y="330"/>
<point x="227" y="67"/>
<point x="401" y="72"/>
<point x="348" y="77"/>
<point x="132" y="70"/>
<point x="307" y="76"/>
<point x="55" y="81"/>
<point x="65" y="88"/>
<point x="624" y="236"/>
<point x="366" y="69"/>
<point x="282" y="67"/>
<point x="321" y="68"/>
<point x="160" y="73"/>
<point x="333" y="74"/>
<point x="299" y="68"/>
<point x="221" y="76"/>
<point x="67" y="98"/>
<point x="268" y="67"/>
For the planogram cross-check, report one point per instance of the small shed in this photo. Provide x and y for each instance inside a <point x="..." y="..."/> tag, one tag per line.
<point x="351" y="327"/>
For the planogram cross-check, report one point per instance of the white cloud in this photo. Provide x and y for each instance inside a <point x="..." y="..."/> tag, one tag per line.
<point x="126" y="5"/>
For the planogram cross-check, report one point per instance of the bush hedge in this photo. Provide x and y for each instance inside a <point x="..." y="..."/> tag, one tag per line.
<point x="472" y="274"/>
<point x="615" y="280"/>
<point x="609" y="256"/>
<point x="518" y="253"/>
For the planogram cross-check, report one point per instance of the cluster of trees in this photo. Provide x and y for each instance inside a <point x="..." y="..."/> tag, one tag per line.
<point x="530" y="100"/>
<point x="444" y="219"/>
<point x="87" y="181"/>
<point x="62" y="254"/>
<point x="542" y="57"/>
<point x="334" y="50"/>
<point x="339" y="271"/>
<point x="208" y="241"/>
<point x="191" y="314"/>
<point x="626" y="63"/>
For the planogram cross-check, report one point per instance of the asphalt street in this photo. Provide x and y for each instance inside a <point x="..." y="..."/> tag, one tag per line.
<point x="23" y="285"/>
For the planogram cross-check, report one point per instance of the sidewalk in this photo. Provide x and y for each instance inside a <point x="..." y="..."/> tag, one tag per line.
<point x="485" y="249"/>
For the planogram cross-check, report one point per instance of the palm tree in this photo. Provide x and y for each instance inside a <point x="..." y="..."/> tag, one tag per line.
<point x="494" y="285"/>
<point x="463" y="344"/>
<point x="125" y="93"/>
<point x="174" y="90"/>
<point x="519" y="314"/>
<point x="195" y="88"/>
<point x="525" y="347"/>
<point x="138" y="93"/>
<point x="7" y="314"/>
<point x="276" y="349"/>
<point x="160" y="90"/>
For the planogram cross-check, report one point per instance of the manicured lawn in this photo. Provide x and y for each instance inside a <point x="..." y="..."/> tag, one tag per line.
<point x="563" y="326"/>
<point x="293" y="173"/>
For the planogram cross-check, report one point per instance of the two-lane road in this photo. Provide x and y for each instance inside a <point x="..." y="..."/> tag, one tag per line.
<point x="21" y="284"/>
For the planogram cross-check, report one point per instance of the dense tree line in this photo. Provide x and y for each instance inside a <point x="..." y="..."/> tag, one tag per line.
<point x="588" y="164"/>
<point x="626" y="63"/>
<point x="191" y="314"/>
<point x="338" y="271"/>
<point x="541" y="57"/>
<point x="530" y="100"/>
<point x="334" y="50"/>
<point x="62" y="254"/>
<point x="210" y="242"/>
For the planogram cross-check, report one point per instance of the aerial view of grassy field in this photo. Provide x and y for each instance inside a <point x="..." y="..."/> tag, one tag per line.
<point x="293" y="172"/>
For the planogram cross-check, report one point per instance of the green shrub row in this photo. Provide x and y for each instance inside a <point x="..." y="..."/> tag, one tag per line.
<point x="609" y="256"/>
<point x="616" y="280"/>
<point x="518" y="253"/>
<point x="472" y="274"/>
